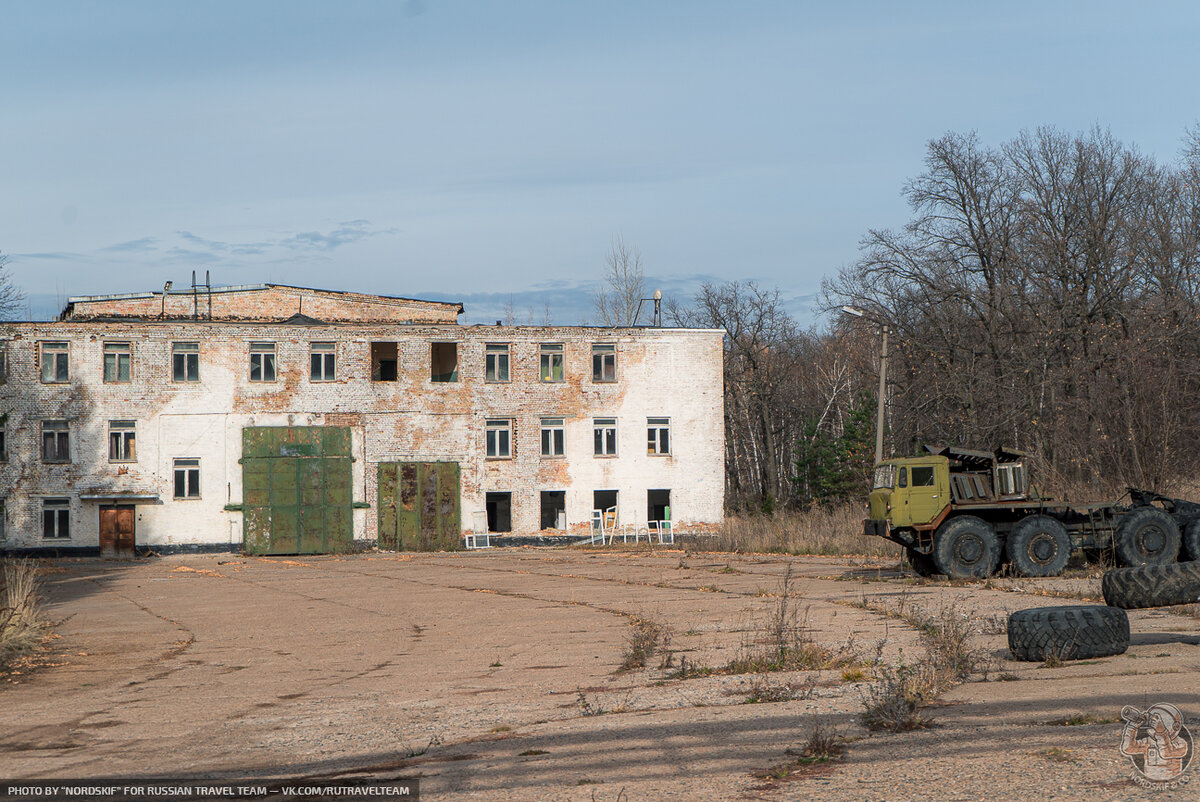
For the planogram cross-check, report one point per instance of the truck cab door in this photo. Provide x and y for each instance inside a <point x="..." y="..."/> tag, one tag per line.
<point x="927" y="496"/>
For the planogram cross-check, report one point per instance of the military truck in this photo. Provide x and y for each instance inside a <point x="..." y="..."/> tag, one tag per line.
<point x="966" y="513"/>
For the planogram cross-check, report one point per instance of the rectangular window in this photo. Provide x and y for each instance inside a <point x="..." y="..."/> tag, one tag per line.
<point x="604" y="437"/>
<point x="553" y="437"/>
<point x="922" y="477"/>
<point x="122" y="441"/>
<point x="118" y="362"/>
<point x="499" y="439"/>
<point x="495" y="367"/>
<point x="56" y="441"/>
<point x="443" y="363"/>
<point x="385" y="360"/>
<point x="55" y="362"/>
<point x="262" y="362"/>
<point x="552" y="362"/>
<point x="56" y="517"/>
<point x="3" y="444"/>
<point x="604" y="362"/>
<point x="187" y="478"/>
<point x="323" y="362"/>
<point x="185" y="362"/>
<point x="3" y="362"/>
<point x="658" y="436"/>
<point x="3" y="520"/>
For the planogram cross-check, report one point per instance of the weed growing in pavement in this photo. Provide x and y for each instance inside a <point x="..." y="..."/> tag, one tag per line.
<point x="822" y="530"/>
<point x="644" y="639"/>
<point x="21" y="625"/>
<point x="822" y="746"/>
<point x="434" y="740"/>
<point x="1082" y="719"/>
<point x="532" y="753"/>
<point x="894" y="701"/>
<point x="765" y="689"/>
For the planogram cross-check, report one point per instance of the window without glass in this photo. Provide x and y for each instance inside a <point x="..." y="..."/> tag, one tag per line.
<point x="185" y="362"/>
<point x="187" y="478"/>
<point x="658" y="506"/>
<point x="323" y="362"/>
<point x="3" y="520"/>
<point x="384" y="362"/>
<point x="56" y="441"/>
<point x="553" y="437"/>
<point x="443" y="363"/>
<point x="604" y="437"/>
<point x="499" y="438"/>
<point x="56" y="517"/>
<point x="552" y="362"/>
<point x="118" y="359"/>
<point x="55" y="362"/>
<point x="3" y="444"/>
<point x="658" y="436"/>
<point x="604" y="362"/>
<point x="499" y="511"/>
<point x="495" y="368"/>
<point x="122" y="441"/>
<point x="554" y="509"/>
<point x="3" y="362"/>
<point x="262" y="362"/>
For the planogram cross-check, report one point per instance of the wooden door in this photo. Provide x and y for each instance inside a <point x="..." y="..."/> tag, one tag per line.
<point x="117" y="539"/>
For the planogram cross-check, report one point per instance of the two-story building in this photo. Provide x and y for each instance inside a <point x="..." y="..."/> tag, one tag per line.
<point x="284" y="419"/>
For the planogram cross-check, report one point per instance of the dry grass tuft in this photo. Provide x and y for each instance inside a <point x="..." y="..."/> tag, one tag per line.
<point x="830" y="531"/>
<point x="20" y="622"/>
<point x="644" y="640"/>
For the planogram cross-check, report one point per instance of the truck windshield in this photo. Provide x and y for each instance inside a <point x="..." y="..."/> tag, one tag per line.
<point x="885" y="476"/>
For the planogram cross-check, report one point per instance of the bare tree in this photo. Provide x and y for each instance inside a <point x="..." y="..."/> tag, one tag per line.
<point x="616" y="302"/>
<point x="11" y="296"/>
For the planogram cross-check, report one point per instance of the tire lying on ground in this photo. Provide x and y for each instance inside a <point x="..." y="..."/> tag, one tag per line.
<point x="1073" y="632"/>
<point x="1152" y="585"/>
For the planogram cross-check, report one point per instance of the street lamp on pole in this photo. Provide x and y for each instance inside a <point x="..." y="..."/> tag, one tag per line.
<point x="883" y="360"/>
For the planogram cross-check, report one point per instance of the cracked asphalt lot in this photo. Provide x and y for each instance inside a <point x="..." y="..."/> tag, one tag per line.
<point x="495" y="675"/>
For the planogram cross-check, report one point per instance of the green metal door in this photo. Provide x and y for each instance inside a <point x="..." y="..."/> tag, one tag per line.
<point x="418" y="506"/>
<point x="297" y="493"/>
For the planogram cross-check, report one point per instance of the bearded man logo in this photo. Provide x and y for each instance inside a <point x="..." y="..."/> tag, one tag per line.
<point x="1157" y="742"/>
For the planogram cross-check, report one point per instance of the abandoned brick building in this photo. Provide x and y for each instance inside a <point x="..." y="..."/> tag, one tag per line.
<point x="282" y="419"/>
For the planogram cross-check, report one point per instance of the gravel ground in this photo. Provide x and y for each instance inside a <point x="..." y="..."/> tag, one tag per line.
<point x="496" y="675"/>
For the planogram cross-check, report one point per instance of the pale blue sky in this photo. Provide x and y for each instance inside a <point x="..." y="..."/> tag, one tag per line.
<point x="476" y="150"/>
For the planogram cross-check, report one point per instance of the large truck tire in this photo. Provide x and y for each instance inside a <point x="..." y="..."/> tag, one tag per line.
<point x="1073" y="632"/>
<point x="1147" y="536"/>
<point x="922" y="564"/>
<point x="1039" y="546"/>
<point x="965" y="547"/>
<point x="1152" y="585"/>
<point x="1191" y="540"/>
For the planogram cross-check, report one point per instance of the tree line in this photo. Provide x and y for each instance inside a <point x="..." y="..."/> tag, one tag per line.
<point x="1043" y="296"/>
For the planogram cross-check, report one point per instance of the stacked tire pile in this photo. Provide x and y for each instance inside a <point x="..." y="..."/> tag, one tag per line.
<point x="1082" y="632"/>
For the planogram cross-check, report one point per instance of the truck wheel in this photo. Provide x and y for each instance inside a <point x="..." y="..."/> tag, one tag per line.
<point x="966" y="546"/>
<point x="1039" y="546"/>
<point x="1147" y="536"/>
<point x="922" y="564"/>
<point x="1073" y="632"/>
<point x="1191" y="540"/>
<point x="1152" y="585"/>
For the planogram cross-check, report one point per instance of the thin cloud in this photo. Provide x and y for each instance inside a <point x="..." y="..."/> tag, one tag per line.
<point x="133" y="246"/>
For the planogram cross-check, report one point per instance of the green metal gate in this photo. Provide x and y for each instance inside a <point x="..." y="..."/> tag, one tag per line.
<point x="418" y="506"/>
<point x="297" y="495"/>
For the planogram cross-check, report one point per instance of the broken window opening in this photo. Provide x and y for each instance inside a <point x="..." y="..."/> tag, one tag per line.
<point x="3" y="444"/>
<point x="3" y="520"/>
<point x="187" y="478"/>
<point x="658" y="436"/>
<point x="56" y="518"/>
<point x="499" y="511"/>
<point x="262" y="362"/>
<point x="323" y="362"/>
<point x="553" y="437"/>
<point x="118" y="362"/>
<point x="554" y="509"/>
<point x="185" y="362"/>
<point x="385" y="362"/>
<point x="495" y="367"/>
<point x="604" y="437"/>
<point x="122" y="441"/>
<point x="499" y="439"/>
<point x="604" y="509"/>
<point x="55" y="362"/>
<point x="604" y="362"/>
<point x="3" y="362"/>
<point x="443" y="362"/>
<point x="658" y="507"/>
<point x="56" y="441"/>
<point x="551" y="362"/>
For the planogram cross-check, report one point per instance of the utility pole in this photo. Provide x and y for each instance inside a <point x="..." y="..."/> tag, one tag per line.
<point x="883" y="360"/>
